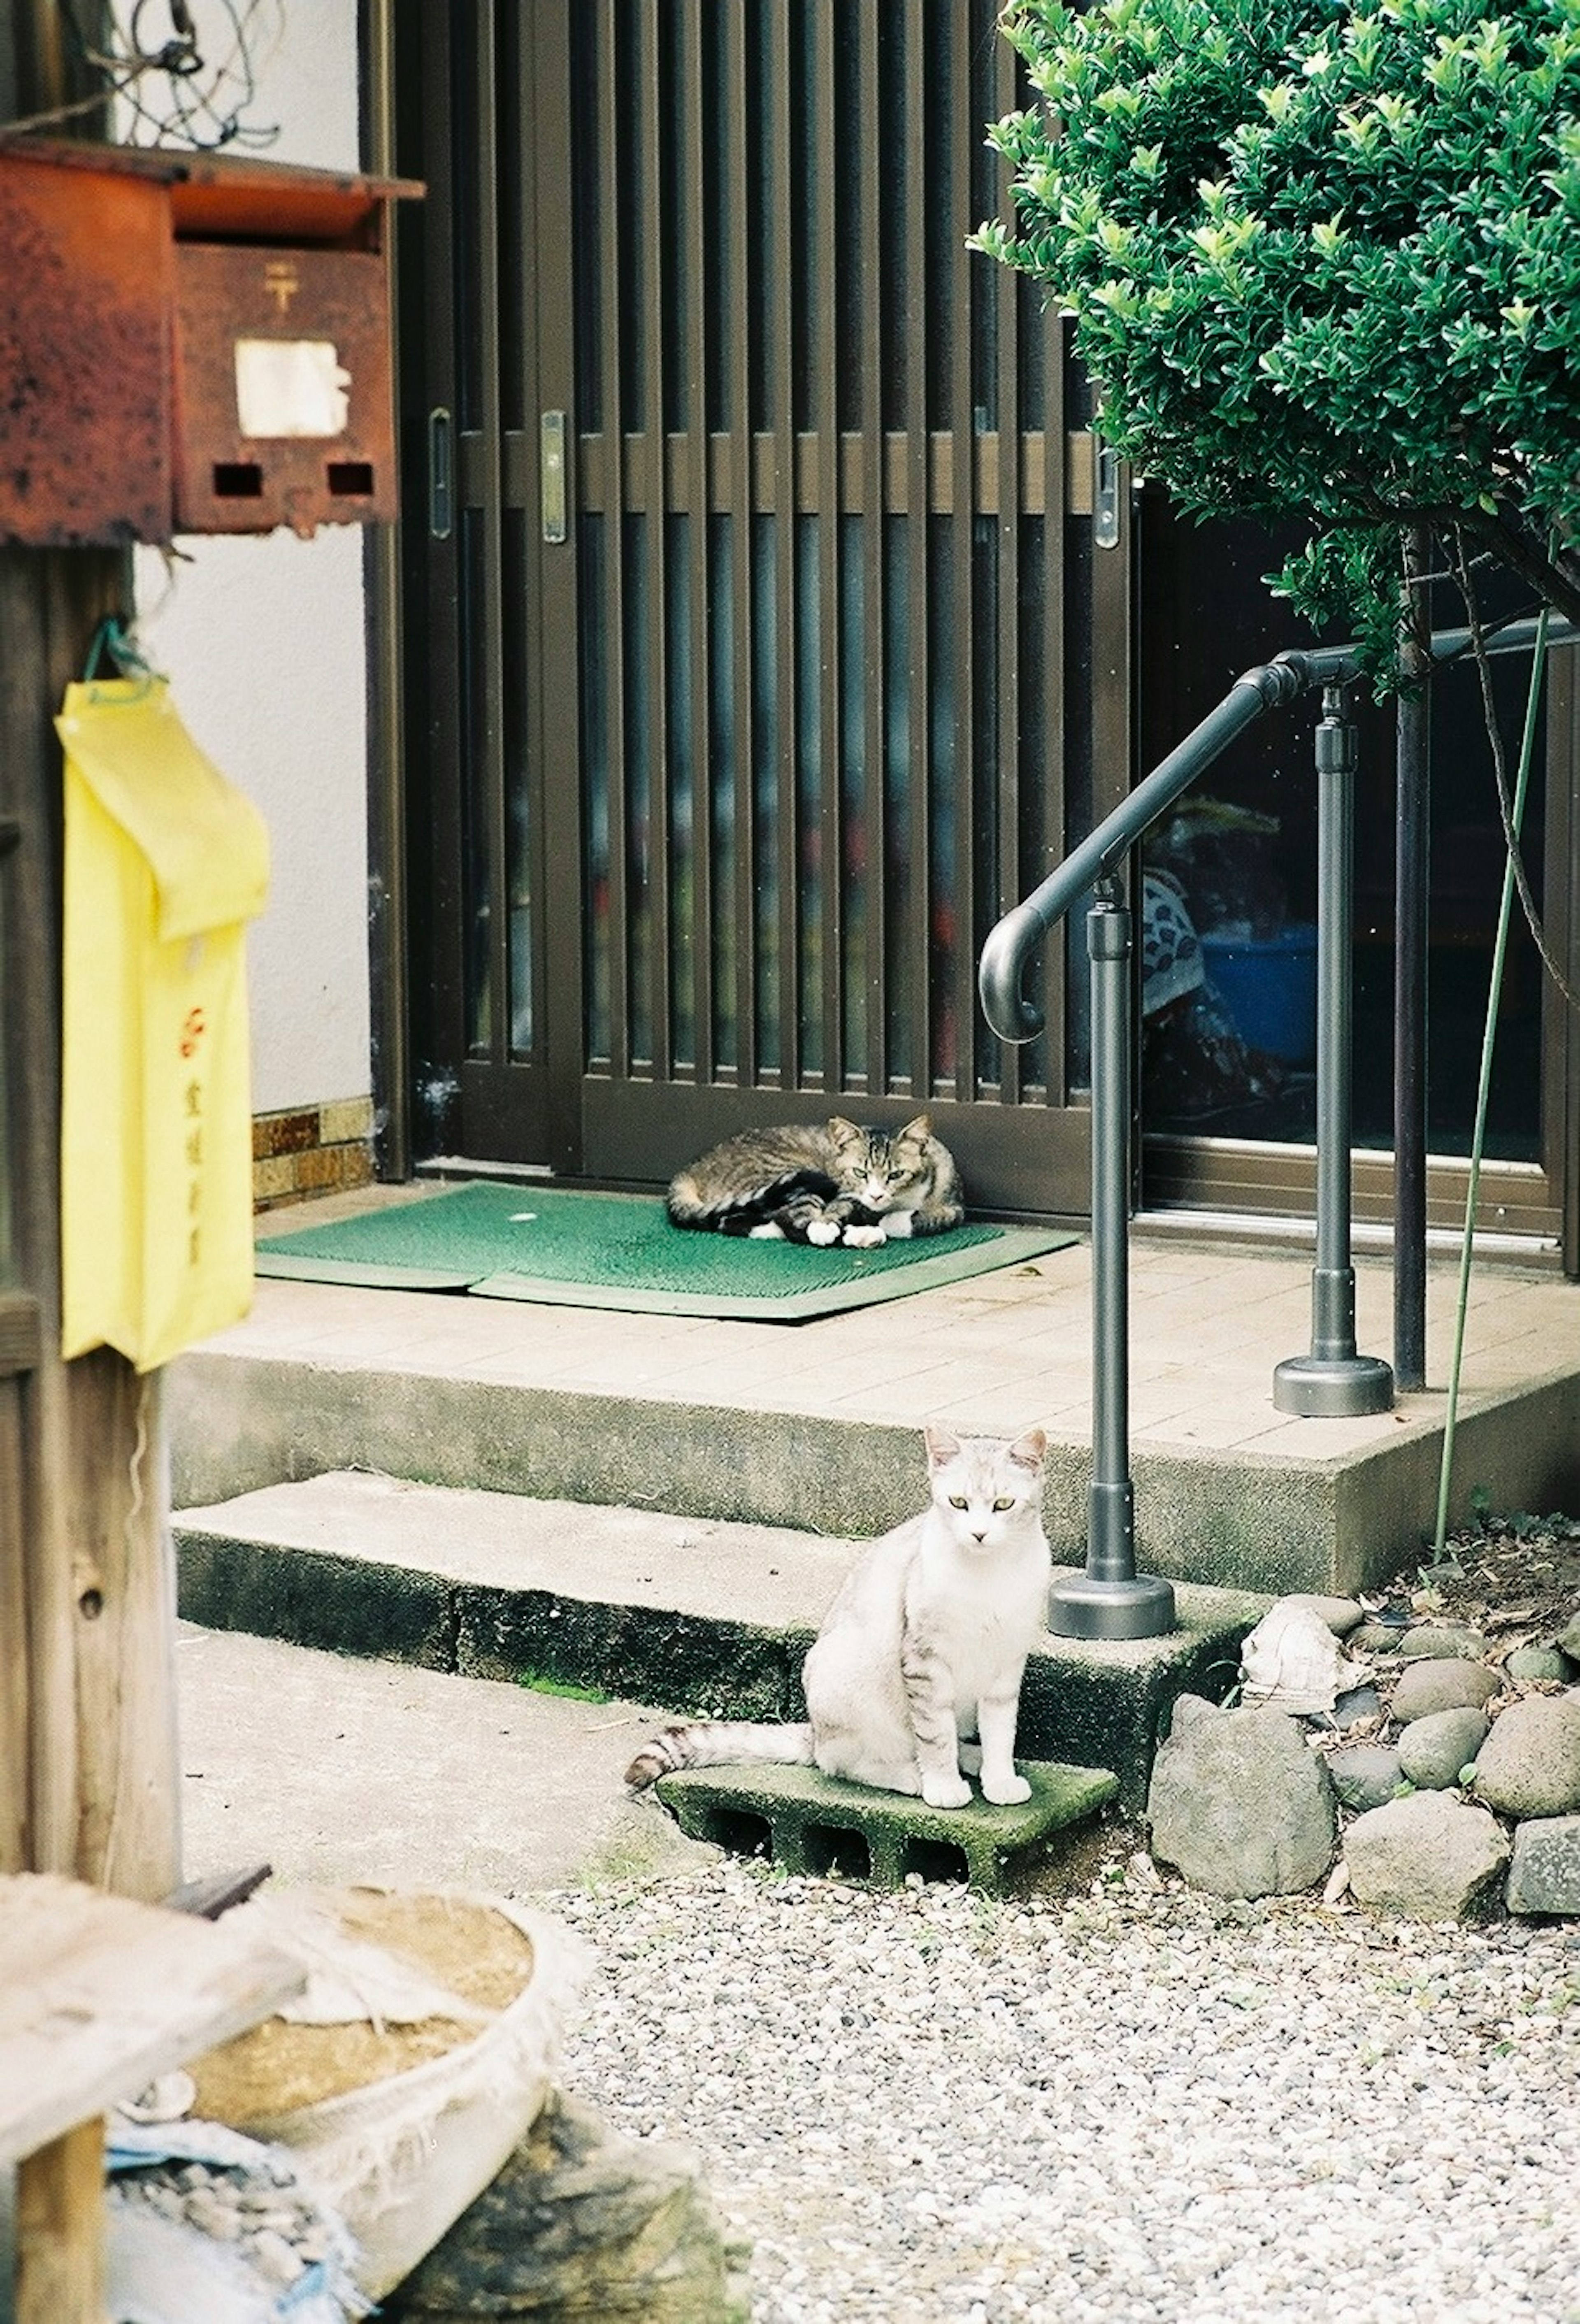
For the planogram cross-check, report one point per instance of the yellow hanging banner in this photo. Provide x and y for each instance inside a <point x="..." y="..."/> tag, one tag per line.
<point x="165" y="863"/>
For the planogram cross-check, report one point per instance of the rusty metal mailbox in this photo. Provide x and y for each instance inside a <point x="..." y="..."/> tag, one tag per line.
<point x="191" y="343"/>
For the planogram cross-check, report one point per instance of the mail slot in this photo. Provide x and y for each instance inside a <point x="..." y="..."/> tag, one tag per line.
<point x="191" y="343"/>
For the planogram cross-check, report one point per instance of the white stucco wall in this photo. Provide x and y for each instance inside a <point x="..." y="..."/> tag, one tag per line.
<point x="262" y="641"/>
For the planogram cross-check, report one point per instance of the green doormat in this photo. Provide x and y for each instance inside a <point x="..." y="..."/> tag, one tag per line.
<point x="620" y="1250"/>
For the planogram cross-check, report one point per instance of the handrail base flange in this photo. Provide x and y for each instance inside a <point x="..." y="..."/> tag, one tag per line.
<point x="1333" y="1388"/>
<point x="1081" y="1607"/>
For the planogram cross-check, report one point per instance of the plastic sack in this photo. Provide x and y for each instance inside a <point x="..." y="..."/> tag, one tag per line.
<point x="193" y="2231"/>
<point x="165" y="862"/>
<point x="1292" y="1662"/>
<point x="400" y="2160"/>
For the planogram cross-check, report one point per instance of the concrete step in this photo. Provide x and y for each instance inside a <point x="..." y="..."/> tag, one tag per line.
<point x="1322" y="1506"/>
<point x="704" y="1615"/>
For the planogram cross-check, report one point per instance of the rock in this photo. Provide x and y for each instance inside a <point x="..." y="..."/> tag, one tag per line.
<point x="1187" y="1709"/>
<point x="1365" y="1774"/>
<point x="1544" y="1871"/>
<point x="1429" y="1857"/>
<point x="1341" y="1614"/>
<point x="1442" y="1642"/>
<point x="1241" y="1806"/>
<point x="1530" y="1764"/>
<point x="1424" y="1687"/>
<point x="1337" y="1884"/>
<point x="1567" y="1641"/>
<point x="1362" y="1703"/>
<point x="1433" y="1749"/>
<point x="1374" y="1638"/>
<point x="1544" y="1664"/>
<point x="581" y="2223"/>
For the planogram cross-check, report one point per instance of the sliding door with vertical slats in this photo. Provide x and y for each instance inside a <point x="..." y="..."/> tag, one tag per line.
<point x="751" y="761"/>
<point x="482" y="660"/>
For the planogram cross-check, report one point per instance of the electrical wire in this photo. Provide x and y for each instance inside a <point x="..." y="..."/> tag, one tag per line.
<point x="194" y="88"/>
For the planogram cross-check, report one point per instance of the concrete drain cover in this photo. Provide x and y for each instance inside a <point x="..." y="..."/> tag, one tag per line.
<point x="810" y="1822"/>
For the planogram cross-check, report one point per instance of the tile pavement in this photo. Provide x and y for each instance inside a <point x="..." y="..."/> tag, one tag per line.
<point x="1004" y="1350"/>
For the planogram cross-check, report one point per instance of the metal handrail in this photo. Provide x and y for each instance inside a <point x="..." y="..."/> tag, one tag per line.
<point x="1269" y="686"/>
<point x="1110" y="1600"/>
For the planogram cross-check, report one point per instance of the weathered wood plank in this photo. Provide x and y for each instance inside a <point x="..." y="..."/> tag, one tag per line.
<point x="100" y="1994"/>
<point x="123" y="1598"/>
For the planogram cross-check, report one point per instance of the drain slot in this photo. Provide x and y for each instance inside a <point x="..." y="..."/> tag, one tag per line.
<point x="830" y="1849"/>
<point x="935" y="1860"/>
<point x="742" y="1834"/>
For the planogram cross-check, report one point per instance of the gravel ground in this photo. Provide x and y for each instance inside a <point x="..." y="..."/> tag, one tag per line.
<point x="1129" y="2105"/>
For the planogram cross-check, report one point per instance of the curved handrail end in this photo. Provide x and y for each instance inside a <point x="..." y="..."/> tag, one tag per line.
<point x="998" y="975"/>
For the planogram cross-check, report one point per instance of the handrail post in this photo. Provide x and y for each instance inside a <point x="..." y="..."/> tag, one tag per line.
<point x="1412" y="823"/>
<point x="1333" y="1382"/>
<point x="1110" y="1600"/>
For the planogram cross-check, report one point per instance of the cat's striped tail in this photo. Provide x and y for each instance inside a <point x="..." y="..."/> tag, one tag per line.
<point x="789" y="1201"/>
<point x="719" y="1743"/>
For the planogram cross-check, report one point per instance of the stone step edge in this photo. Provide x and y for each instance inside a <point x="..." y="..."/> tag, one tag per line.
<point x="1274" y="1524"/>
<point x="1086" y="1704"/>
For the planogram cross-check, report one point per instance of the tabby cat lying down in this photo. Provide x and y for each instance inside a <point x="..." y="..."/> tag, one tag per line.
<point x="822" y="1182"/>
<point x="922" y="1650"/>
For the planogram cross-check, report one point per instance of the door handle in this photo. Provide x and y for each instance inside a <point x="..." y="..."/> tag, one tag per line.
<point x="441" y="474"/>
<point x="551" y="474"/>
<point x="1105" y="489"/>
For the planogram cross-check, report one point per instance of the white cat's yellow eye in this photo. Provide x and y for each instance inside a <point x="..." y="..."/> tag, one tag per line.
<point x="957" y="1501"/>
<point x="1004" y="1502"/>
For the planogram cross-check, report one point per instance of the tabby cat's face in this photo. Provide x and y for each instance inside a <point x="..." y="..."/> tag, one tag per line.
<point x="881" y="1171"/>
<point x="985" y="1488"/>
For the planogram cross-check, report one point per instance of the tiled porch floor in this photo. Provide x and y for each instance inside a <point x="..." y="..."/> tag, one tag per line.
<point x="1209" y="1321"/>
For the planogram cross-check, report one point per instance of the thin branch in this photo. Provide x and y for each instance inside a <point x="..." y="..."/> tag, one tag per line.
<point x="1503" y="535"/>
<point x="1513" y="547"/>
<point x="1501" y="777"/>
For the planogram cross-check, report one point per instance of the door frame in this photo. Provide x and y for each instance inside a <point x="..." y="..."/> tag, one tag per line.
<point x="405" y="710"/>
<point x="587" y="1127"/>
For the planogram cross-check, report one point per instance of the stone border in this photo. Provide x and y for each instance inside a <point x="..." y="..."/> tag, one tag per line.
<point x="312" y="1150"/>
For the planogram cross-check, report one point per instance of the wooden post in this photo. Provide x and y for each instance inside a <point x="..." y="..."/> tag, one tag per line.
<point x="59" y="2271"/>
<point x="14" y="1686"/>
<point x="88" y="1780"/>
<point x="100" y="1783"/>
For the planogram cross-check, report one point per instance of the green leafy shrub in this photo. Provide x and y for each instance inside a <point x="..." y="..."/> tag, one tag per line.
<point x="1324" y="260"/>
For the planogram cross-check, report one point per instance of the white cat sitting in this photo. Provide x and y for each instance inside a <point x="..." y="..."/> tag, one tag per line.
<point x="916" y="1672"/>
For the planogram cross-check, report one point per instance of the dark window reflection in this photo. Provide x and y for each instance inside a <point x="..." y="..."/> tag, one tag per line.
<point x="1228" y="1033"/>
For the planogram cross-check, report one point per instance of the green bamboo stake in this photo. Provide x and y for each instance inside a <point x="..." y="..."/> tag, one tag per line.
<point x="1488" y="1036"/>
